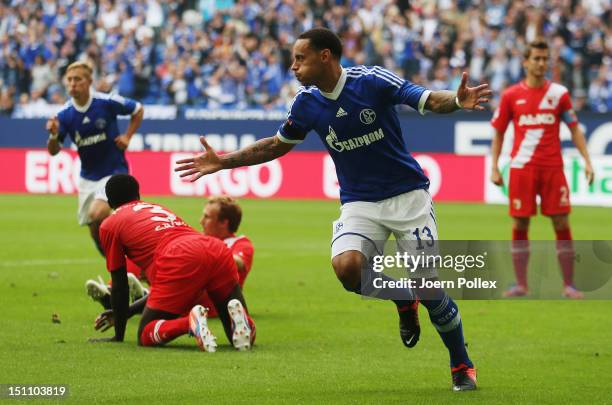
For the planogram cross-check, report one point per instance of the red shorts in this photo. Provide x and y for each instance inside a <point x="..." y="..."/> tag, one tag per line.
<point x="185" y="267"/>
<point x="547" y="182"/>
<point x="207" y="302"/>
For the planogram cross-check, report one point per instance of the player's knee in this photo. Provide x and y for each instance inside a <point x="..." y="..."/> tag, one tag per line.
<point x="521" y="224"/>
<point x="98" y="212"/>
<point x="97" y="216"/>
<point x="560" y="222"/>
<point x="148" y="335"/>
<point x="147" y="341"/>
<point x="347" y="267"/>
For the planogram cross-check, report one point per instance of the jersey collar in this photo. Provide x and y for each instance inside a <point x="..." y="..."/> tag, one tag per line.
<point x="543" y="86"/>
<point x="338" y="89"/>
<point x="84" y="108"/>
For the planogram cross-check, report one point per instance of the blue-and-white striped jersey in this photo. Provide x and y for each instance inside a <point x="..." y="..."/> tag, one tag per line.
<point x="358" y="124"/>
<point x="93" y="129"/>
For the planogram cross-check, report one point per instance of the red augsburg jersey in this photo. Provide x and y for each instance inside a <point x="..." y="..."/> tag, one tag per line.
<point x="536" y="114"/>
<point x="242" y="246"/>
<point x="135" y="230"/>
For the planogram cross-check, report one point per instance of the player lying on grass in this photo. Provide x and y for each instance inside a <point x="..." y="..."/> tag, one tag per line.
<point x="221" y="218"/>
<point x="180" y="264"/>
<point x="383" y="189"/>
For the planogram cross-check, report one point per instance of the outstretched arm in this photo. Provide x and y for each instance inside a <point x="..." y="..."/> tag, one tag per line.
<point x="469" y="98"/>
<point x="580" y="142"/>
<point x="262" y="151"/>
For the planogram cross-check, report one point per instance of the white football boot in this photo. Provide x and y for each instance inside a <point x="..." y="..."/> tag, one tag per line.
<point x="198" y="328"/>
<point x="97" y="289"/>
<point x="242" y="334"/>
<point x="137" y="290"/>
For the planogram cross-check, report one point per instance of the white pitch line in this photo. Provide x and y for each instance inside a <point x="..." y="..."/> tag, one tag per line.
<point x="48" y="262"/>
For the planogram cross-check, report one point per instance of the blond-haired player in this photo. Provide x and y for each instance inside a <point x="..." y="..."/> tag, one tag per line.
<point x="89" y="119"/>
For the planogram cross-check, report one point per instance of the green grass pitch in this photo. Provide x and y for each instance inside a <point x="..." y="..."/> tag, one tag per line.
<point x="315" y="342"/>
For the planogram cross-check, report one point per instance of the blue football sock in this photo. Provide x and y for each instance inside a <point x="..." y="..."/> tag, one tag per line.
<point x="401" y="296"/>
<point x="445" y="317"/>
<point x="401" y="304"/>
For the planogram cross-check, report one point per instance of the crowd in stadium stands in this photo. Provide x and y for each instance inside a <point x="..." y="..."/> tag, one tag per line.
<point x="237" y="53"/>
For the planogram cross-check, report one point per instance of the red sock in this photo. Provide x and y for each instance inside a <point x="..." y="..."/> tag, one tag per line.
<point x="520" y="256"/>
<point x="565" y="254"/>
<point x="161" y="331"/>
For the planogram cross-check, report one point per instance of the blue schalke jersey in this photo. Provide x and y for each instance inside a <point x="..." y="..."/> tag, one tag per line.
<point x="358" y="124"/>
<point x="93" y="129"/>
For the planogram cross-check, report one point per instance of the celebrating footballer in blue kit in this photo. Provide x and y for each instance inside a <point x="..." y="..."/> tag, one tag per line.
<point x="90" y="120"/>
<point x="383" y="190"/>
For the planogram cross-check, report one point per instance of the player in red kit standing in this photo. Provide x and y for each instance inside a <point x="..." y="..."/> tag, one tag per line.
<point x="179" y="263"/>
<point x="537" y="107"/>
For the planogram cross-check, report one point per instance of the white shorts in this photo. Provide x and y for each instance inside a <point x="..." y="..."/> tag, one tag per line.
<point x="366" y="226"/>
<point x="90" y="190"/>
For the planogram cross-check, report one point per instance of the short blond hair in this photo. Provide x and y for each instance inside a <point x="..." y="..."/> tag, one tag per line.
<point x="82" y="65"/>
<point x="228" y="209"/>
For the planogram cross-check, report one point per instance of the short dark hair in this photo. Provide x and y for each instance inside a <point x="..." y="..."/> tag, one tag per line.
<point x="228" y="209"/>
<point x="321" y="38"/>
<point x="121" y="189"/>
<point x="538" y="43"/>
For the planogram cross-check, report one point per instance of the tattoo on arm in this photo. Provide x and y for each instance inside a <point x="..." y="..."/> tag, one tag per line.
<point x="442" y="101"/>
<point x="262" y="151"/>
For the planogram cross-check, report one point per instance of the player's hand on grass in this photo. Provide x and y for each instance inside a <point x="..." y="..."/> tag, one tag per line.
<point x="52" y="125"/>
<point x="104" y="321"/>
<point x="198" y="166"/>
<point x="122" y="142"/>
<point x="471" y="98"/>
<point x="496" y="177"/>
<point x="589" y="173"/>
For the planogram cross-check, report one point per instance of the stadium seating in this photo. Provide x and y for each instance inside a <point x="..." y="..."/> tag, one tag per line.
<point x="236" y="54"/>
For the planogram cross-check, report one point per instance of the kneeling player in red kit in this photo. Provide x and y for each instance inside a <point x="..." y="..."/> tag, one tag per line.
<point x="179" y="263"/>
